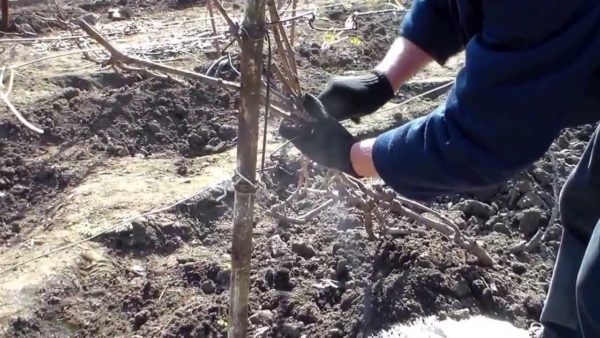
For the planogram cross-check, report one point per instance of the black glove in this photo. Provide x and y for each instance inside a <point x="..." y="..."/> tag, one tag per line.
<point x="323" y="140"/>
<point x="351" y="97"/>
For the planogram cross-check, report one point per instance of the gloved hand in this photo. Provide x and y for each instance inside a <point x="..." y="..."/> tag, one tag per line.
<point x="324" y="140"/>
<point x="351" y="97"/>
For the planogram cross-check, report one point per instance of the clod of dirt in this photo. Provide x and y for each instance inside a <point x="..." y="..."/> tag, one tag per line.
<point x="291" y="330"/>
<point x="208" y="287"/>
<point x="475" y="208"/>
<point x="348" y="222"/>
<point x="303" y="249"/>
<point x="502" y="228"/>
<point x="91" y="18"/>
<point x="147" y="236"/>
<point x="140" y="319"/>
<point x="278" y="247"/>
<point x="530" y="200"/>
<point x="262" y="318"/>
<point x="462" y="289"/>
<point x="342" y="270"/>
<point x="529" y="221"/>
<point x="518" y="267"/>
<point x="280" y="279"/>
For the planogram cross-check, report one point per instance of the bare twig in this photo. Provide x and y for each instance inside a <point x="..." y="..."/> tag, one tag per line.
<point x="4" y="97"/>
<point x="165" y="288"/>
<point x="416" y="97"/>
<point x="287" y="86"/>
<point x="307" y="216"/>
<point x="233" y="27"/>
<point x="289" y="52"/>
<point x="118" y="56"/>
<point x="355" y="193"/>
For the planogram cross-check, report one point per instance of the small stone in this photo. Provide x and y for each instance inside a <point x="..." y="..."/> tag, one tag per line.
<point x="291" y="330"/>
<point x="530" y="200"/>
<point x="303" y="250"/>
<point x="475" y="208"/>
<point x="208" y="287"/>
<point x="518" y="267"/>
<point x="263" y="317"/>
<point x="529" y="221"/>
<point x="348" y="222"/>
<point x="278" y="247"/>
<point x="154" y="127"/>
<point x="502" y="228"/>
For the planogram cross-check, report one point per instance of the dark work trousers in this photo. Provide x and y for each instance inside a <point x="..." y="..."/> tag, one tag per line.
<point x="572" y="308"/>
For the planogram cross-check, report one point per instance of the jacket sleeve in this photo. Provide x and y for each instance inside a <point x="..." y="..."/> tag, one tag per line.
<point x="518" y="89"/>
<point x="432" y="26"/>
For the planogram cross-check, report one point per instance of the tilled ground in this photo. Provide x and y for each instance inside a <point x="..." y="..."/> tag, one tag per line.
<point x="168" y="275"/>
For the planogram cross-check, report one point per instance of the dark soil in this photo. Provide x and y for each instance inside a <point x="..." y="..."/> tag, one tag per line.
<point x="325" y="279"/>
<point x="134" y="118"/>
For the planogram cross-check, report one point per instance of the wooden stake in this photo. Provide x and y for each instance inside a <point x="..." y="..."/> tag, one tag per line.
<point x="293" y="29"/>
<point x="252" y="38"/>
<point x="116" y="56"/>
<point x="5" y="16"/>
<point x="209" y="6"/>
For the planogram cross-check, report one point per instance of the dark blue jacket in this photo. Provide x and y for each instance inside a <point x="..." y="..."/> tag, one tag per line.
<point x="532" y="68"/>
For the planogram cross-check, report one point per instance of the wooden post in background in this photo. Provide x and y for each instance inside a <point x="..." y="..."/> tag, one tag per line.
<point x="5" y="16"/>
<point x="252" y="35"/>
<point x="209" y="6"/>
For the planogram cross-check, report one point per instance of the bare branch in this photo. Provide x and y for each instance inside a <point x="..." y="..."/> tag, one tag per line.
<point x="233" y="27"/>
<point x="289" y="52"/>
<point x="307" y="216"/>
<point x="118" y="56"/>
<point x="4" y="97"/>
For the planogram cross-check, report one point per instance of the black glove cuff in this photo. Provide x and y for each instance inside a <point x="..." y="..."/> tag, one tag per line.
<point x="382" y="88"/>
